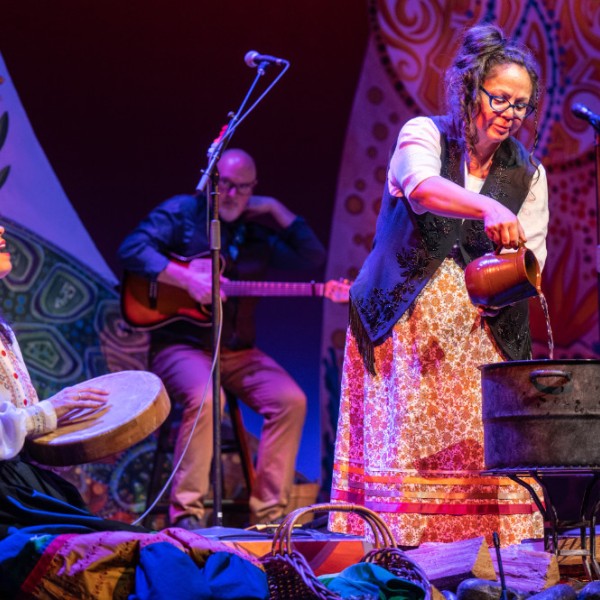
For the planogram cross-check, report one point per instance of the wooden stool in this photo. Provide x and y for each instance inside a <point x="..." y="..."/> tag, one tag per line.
<point x="236" y="442"/>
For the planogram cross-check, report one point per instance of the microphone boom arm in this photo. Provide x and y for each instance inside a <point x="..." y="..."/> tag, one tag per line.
<point x="215" y="151"/>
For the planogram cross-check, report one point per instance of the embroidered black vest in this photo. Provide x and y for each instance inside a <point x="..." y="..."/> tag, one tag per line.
<point x="408" y="248"/>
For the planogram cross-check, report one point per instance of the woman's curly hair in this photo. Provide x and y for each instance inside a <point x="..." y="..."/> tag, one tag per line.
<point x="483" y="48"/>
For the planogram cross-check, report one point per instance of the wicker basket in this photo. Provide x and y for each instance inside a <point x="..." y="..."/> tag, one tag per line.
<point x="290" y="577"/>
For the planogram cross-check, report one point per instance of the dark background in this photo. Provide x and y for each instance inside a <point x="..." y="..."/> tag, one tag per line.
<point x="126" y="96"/>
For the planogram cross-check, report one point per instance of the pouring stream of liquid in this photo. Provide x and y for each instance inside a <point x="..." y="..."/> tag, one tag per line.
<point x="544" y="305"/>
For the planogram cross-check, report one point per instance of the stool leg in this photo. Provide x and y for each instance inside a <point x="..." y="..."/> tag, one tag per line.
<point x="163" y="448"/>
<point x="239" y="431"/>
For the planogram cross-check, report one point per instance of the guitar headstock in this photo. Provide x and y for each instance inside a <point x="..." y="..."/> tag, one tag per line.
<point x="338" y="290"/>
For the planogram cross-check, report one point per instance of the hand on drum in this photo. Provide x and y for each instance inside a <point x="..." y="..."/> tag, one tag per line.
<point x="71" y="401"/>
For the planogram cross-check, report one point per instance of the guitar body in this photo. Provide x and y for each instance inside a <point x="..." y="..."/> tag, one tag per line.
<point x="148" y="305"/>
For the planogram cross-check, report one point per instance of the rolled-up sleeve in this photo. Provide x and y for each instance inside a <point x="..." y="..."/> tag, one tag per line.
<point x="417" y="157"/>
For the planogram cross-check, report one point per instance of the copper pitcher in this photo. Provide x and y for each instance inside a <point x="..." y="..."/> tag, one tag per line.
<point x="498" y="279"/>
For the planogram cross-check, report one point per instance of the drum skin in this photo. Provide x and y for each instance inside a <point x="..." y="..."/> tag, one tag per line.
<point x="541" y="413"/>
<point x="137" y="405"/>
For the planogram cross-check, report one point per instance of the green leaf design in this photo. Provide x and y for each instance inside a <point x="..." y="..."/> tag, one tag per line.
<point x="3" y="128"/>
<point x="4" y="174"/>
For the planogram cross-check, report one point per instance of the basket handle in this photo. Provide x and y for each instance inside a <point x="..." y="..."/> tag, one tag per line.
<point x="282" y="539"/>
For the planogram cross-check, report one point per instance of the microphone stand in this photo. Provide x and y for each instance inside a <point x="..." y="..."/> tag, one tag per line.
<point x="209" y="179"/>
<point x="504" y="592"/>
<point x="597" y="153"/>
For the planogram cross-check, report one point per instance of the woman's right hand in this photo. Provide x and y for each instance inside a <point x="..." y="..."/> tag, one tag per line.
<point x="447" y="199"/>
<point x="72" y="398"/>
<point x="502" y="226"/>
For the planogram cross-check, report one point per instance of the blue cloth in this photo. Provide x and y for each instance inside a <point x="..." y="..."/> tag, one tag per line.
<point x="166" y="572"/>
<point x="372" y="581"/>
<point x="19" y="553"/>
<point x="231" y="577"/>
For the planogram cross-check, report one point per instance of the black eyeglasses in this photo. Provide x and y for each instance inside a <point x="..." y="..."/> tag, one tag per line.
<point x="241" y="188"/>
<point x="499" y="104"/>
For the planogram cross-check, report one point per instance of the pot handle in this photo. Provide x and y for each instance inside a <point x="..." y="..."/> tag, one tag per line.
<point x="539" y="374"/>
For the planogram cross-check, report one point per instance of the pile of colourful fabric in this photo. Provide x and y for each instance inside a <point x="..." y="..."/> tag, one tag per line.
<point x="173" y="563"/>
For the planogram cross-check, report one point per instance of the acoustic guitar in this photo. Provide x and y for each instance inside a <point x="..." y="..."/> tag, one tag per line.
<point x="147" y="304"/>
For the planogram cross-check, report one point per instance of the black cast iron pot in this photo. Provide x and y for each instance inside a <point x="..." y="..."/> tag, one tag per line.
<point x="541" y="413"/>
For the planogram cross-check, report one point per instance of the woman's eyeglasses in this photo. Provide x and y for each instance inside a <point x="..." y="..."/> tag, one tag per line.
<point x="499" y="104"/>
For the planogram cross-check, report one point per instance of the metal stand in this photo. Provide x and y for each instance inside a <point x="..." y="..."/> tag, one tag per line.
<point x="553" y="524"/>
<point x="597" y="164"/>
<point x="209" y="180"/>
<point x="582" y="112"/>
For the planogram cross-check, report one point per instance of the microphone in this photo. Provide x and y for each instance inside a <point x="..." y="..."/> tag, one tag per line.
<point x="583" y="112"/>
<point x="254" y="59"/>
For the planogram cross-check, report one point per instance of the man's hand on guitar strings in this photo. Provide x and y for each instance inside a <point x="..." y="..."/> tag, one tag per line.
<point x="199" y="282"/>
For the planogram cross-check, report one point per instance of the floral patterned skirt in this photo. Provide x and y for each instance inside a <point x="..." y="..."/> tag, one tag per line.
<point x="409" y="441"/>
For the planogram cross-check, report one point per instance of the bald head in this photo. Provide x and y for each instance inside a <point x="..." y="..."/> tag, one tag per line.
<point x="238" y="160"/>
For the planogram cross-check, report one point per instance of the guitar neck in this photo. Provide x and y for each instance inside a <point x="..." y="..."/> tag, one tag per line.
<point x="149" y="305"/>
<point x="273" y="288"/>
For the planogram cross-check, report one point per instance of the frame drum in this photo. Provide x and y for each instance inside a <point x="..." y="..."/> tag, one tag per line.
<point x="137" y="404"/>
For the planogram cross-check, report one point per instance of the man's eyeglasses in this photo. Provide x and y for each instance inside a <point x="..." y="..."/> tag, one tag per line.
<point x="499" y="104"/>
<point x="241" y="188"/>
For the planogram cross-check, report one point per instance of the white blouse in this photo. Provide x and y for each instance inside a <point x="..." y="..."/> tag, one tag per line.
<point x="22" y="415"/>
<point x="417" y="157"/>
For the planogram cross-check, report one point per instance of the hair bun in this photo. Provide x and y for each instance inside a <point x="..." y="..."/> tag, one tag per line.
<point x="484" y="39"/>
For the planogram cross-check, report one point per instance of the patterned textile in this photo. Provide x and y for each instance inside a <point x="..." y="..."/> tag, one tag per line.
<point x="109" y="564"/>
<point x="15" y="382"/>
<point x="410" y="440"/>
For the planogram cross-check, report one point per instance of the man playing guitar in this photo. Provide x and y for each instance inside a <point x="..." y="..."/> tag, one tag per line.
<point x="180" y="351"/>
